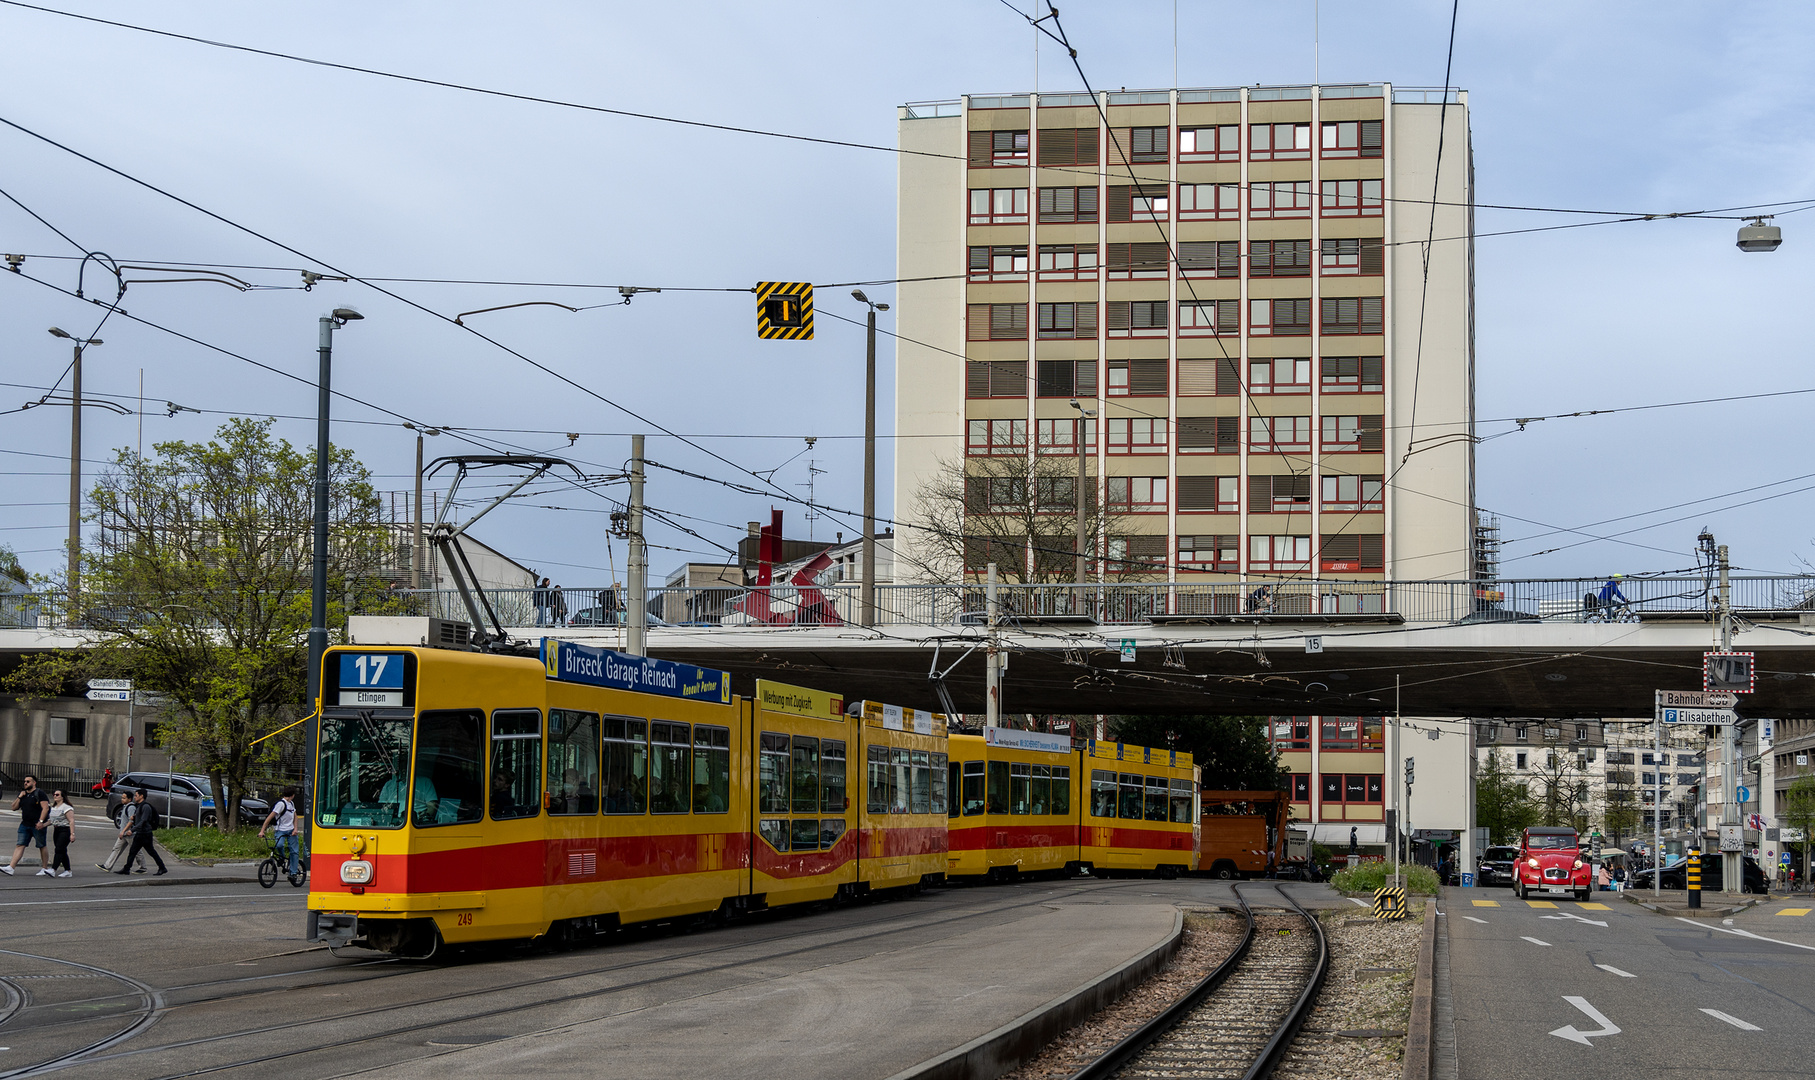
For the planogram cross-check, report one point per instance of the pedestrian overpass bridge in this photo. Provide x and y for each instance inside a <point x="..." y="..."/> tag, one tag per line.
<point x="1526" y="648"/>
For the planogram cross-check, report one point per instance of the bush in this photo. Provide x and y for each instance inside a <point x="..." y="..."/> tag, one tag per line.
<point x="209" y="844"/>
<point x="1367" y="877"/>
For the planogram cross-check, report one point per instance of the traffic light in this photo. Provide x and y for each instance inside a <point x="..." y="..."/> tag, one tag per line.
<point x="1408" y="771"/>
<point x="784" y="309"/>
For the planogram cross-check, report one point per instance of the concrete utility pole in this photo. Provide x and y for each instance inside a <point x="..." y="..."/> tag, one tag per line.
<point x="867" y="588"/>
<point x="75" y="461"/>
<point x="992" y="659"/>
<point x="416" y="541"/>
<point x="318" y="584"/>
<point x="636" y="591"/>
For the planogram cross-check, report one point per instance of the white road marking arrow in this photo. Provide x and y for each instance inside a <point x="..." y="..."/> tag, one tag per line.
<point x="1617" y="971"/>
<point x="1577" y="918"/>
<point x="1728" y="930"/>
<point x="1535" y="941"/>
<point x="1734" y="1020"/>
<point x="1570" y="1032"/>
<point x="1471" y="918"/>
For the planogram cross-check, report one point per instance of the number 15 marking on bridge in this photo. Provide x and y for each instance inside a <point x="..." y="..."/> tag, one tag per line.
<point x="1569" y="1032"/>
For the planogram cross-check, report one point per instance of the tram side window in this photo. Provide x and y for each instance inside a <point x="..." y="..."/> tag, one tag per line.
<point x="1040" y="790"/>
<point x="829" y="831"/>
<point x="1129" y="806"/>
<point x="901" y="784"/>
<point x="922" y="801"/>
<point x="879" y="780"/>
<point x="973" y="788"/>
<point x="516" y="790"/>
<point x="669" y="744"/>
<point x="772" y="778"/>
<point x="956" y="782"/>
<point x="1061" y="789"/>
<point x="1020" y="780"/>
<point x="775" y="831"/>
<point x="831" y="776"/>
<point x="449" y="782"/>
<point x="1182" y="800"/>
<point x="806" y="777"/>
<point x="1157" y="802"/>
<point x="998" y="787"/>
<point x="1102" y="793"/>
<point x="806" y="834"/>
<point x="711" y="769"/>
<point x="573" y="756"/>
<point x="941" y="780"/>
<point x="626" y="765"/>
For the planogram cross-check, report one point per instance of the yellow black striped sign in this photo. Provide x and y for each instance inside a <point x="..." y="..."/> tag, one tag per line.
<point x="784" y="309"/>
<point x="1389" y="903"/>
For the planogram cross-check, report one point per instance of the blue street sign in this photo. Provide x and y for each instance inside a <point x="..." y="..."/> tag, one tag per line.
<point x="570" y="662"/>
<point x="1744" y="794"/>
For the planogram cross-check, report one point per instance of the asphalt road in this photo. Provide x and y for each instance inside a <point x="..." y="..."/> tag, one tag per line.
<point x="211" y="979"/>
<point x="1608" y="989"/>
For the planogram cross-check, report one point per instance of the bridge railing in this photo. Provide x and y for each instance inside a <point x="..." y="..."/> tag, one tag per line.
<point x="1109" y="604"/>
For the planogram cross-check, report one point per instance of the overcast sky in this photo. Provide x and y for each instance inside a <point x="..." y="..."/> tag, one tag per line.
<point x="1644" y="107"/>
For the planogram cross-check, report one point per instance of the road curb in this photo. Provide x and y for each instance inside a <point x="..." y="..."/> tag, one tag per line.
<point x="1005" y="1048"/>
<point x="1698" y="913"/>
<point x="1418" y="1026"/>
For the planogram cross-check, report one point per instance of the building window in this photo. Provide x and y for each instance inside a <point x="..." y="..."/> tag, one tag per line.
<point x="1068" y="262"/>
<point x="1126" y="262"/>
<point x="1278" y="494"/>
<point x="1137" y="435"/>
<point x="1060" y="205"/>
<point x="69" y="731"/>
<point x="1352" y="787"/>
<point x="1520" y="732"/>
<point x="1353" y="553"/>
<point x="1060" y="436"/>
<point x="1137" y="494"/>
<point x="1211" y="494"/>
<point x="1208" y="378"/>
<point x="999" y="263"/>
<point x="1068" y="321"/>
<point x="1136" y="554"/>
<point x="154" y="735"/>
<point x="1058" y="493"/>
<point x="1278" y="142"/>
<point x="1352" y="733"/>
<point x="1138" y="202"/>
<point x="1209" y="434"/>
<point x="1280" y="375"/>
<point x="1209" y="202"/>
<point x="995" y="438"/>
<point x="999" y="206"/>
<point x="1209" y="318"/>
<point x="998" y="322"/>
<point x="1353" y="493"/>
<point x="1209" y="259"/>
<point x="1280" y="199"/>
<point x="995" y="494"/>
<point x="1519" y="760"/>
<point x="1279" y="258"/>
<point x="1646" y="759"/>
<point x="1280" y="318"/>
<point x="1649" y="780"/>
<point x="1068" y="146"/>
<point x="1353" y="374"/>
<point x="1212" y="553"/>
<point x="1137" y="378"/>
<point x="1358" y="256"/>
<point x="1222" y="142"/>
<point x="1301" y="787"/>
<point x="998" y="149"/>
<point x="1137" y="318"/>
<point x="1352" y="139"/>
<point x="1352" y="198"/>
<point x="1581" y="733"/>
<point x="1292" y="732"/>
<point x="1279" y="552"/>
<point x="1352" y="314"/>
<point x="1066" y="378"/>
<point x="1352" y="433"/>
<point x="1145" y="143"/>
<point x="995" y="379"/>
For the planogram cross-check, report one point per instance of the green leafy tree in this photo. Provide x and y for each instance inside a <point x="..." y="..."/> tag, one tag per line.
<point x="1232" y="753"/>
<point x="10" y="568"/>
<point x="1503" y="802"/>
<point x="1799" y="811"/>
<point x="199" y="589"/>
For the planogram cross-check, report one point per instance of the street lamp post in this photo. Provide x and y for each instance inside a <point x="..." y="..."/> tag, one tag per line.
<point x="318" y="585"/>
<point x="75" y="461"/>
<point x="1084" y="416"/>
<point x="868" y="585"/>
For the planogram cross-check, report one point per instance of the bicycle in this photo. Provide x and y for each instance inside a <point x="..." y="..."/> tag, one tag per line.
<point x="1619" y="611"/>
<point x="277" y="864"/>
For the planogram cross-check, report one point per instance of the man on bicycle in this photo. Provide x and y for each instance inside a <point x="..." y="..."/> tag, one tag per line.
<point x="1611" y="596"/>
<point x="283" y="814"/>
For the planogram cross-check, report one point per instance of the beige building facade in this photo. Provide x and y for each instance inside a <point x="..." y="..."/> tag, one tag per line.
<point x="1237" y="283"/>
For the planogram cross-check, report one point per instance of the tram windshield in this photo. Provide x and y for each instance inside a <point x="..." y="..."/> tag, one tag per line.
<point x="364" y="772"/>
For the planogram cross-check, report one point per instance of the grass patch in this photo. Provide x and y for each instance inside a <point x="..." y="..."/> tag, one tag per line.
<point x="1367" y="877"/>
<point x="208" y="845"/>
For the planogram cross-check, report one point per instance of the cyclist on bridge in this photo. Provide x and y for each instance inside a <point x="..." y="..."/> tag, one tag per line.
<point x="1610" y="592"/>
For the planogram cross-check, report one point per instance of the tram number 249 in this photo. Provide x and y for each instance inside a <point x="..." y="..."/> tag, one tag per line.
<point x="464" y="918"/>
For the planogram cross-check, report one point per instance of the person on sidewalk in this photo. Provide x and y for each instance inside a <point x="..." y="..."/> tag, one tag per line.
<point x="123" y="841"/>
<point x="144" y="833"/>
<point x="61" y="817"/>
<point x="33" y="808"/>
<point x="283" y="816"/>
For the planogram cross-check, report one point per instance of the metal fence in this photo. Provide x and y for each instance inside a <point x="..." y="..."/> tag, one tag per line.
<point x="1114" y="603"/>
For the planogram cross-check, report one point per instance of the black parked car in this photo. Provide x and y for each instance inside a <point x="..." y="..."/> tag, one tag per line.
<point x="1496" y="866"/>
<point x="1676" y="877"/>
<point x="182" y="798"/>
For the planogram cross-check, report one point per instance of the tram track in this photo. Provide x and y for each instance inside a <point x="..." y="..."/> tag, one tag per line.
<point x="94" y="1054"/>
<point x="1237" y="1023"/>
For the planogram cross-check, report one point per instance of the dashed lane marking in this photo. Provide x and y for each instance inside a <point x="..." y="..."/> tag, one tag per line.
<point x="1485" y="903"/>
<point x="1616" y="971"/>
<point x="1734" y="1020"/>
<point x="1541" y="903"/>
<point x="1796" y="911"/>
<point x="1594" y="907"/>
<point x="1471" y="918"/>
<point x="1535" y="941"/>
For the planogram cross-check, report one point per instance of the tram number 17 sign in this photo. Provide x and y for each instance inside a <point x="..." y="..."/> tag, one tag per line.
<point x="1734" y="672"/>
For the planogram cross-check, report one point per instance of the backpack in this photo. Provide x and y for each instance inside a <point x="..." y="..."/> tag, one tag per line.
<point x="148" y="819"/>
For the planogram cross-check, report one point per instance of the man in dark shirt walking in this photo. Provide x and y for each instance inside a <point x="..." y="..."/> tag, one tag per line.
<point x="144" y="835"/>
<point x="33" y="805"/>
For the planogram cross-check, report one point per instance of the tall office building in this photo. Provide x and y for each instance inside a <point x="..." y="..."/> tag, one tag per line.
<point x="1238" y="283"/>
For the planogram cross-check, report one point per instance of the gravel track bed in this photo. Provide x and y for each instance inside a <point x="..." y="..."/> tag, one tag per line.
<point x="1209" y="938"/>
<point x="1356" y="1029"/>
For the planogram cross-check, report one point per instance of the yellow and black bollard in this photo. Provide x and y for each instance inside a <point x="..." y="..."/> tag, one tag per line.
<point x="1693" y="872"/>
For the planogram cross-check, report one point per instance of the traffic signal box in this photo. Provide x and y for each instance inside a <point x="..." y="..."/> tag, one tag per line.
<point x="1389" y="903"/>
<point x="784" y="309"/>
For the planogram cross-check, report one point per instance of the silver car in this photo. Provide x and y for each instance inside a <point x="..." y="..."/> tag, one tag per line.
<point x="182" y="798"/>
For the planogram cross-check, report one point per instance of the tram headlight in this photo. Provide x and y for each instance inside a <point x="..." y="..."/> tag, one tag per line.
<point x="355" y="872"/>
